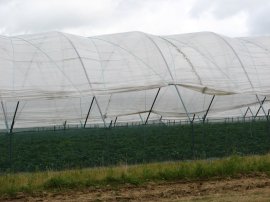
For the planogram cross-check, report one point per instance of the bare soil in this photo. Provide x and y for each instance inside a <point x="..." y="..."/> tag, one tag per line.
<point x="248" y="188"/>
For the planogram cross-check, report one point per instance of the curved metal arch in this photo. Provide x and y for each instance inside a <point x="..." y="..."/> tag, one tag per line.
<point x="235" y="53"/>
<point x="251" y="59"/>
<point x="255" y="44"/>
<point x="11" y="43"/>
<point x="242" y="65"/>
<point x="78" y="55"/>
<point x="268" y="53"/>
<point x="185" y="57"/>
<point x="204" y="56"/>
<point x="130" y="53"/>
<point x="46" y="55"/>
<point x="85" y="72"/>
<point x="122" y="48"/>
<point x="167" y="66"/>
<point x="160" y="52"/>
<point x="12" y="60"/>
<point x="29" y="66"/>
<point x="94" y="44"/>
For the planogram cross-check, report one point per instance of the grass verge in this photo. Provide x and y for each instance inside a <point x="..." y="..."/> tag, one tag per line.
<point x="11" y="184"/>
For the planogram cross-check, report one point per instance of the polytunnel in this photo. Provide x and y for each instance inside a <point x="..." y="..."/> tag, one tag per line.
<point x="56" y="78"/>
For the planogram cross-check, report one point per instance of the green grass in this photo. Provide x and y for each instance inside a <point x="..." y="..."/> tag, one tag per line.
<point x="81" y="148"/>
<point x="233" y="166"/>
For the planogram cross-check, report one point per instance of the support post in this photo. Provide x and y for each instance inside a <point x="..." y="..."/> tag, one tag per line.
<point x="179" y="95"/>
<point x="100" y="112"/>
<point x="10" y="135"/>
<point x="268" y="121"/>
<point x="204" y="117"/>
<point x="65" y="124"/>
<point x="10" y="151"/>
<point x="248" y="109"/>
<point x="111" y="124"/>
<point x="152" y="107"/>
<point x="141" y="117"/>
<point x="115" y="121"/>
<point x="193" y="136"/>
<point x="88" y="112"/>
<point x="14" y="116"/>
<point x="5" y="115"/>
<point x="260" y="107"/>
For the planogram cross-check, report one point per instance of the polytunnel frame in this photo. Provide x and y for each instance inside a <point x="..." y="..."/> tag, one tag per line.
<point x="177" y="90"/>
<point x="86" y="75"/>
<point x="167" y="66"/>
<point x="242" y="65"/>
<point x="193" y="68"/>
<point x="47" y="56"/>
<point x="260" y="102"/>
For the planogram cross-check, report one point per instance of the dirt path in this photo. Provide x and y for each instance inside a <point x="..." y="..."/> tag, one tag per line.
<point x="242" y="189"/>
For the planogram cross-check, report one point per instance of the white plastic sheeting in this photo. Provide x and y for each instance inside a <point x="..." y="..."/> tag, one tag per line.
<point x="56" y="75"/>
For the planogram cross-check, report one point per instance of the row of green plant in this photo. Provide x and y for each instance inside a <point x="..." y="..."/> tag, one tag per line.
<point x="234" y="166"/>
<point x="80" y="148"/>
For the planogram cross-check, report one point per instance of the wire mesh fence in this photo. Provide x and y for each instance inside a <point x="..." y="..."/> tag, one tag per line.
<point x="68" y="147"/>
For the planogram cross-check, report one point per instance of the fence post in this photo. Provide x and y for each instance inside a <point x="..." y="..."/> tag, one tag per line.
<point x="10" y="151"/>
<point x="65" y="124"/>
<point x="267" y="119"/>
<point x="192" y="136"/>
<point x="11" y="135"/>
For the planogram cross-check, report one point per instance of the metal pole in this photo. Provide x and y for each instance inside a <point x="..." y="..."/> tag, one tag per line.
<point x="115" y="121"/>
<point x="10" y="134"/>
<point x="14" y="116"/>
<point x="141" y="117"/>
<point x="245" y="113"/>
<point x="204" y="117"/>
<point x="248" y="109"/>
<point x="193" y="138"/>
<point x="268" y="121"/>
<point x="100" y="112"/>
<point x="88" y="112"/>
<point x="110" y="124"/>
<point x="65" y="123"/>
<point x="10" y="151"/>
<point x="260" y="107"/>
<point x="179" y="95"/>
<point x="5" y="116"/>
<point x="152" y="107"/>
<point x="160" y="119"/>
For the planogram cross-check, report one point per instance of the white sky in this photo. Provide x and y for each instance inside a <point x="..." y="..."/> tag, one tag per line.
<point x="95" y="17"/>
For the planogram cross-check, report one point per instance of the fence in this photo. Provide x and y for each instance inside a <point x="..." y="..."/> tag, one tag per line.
<point x="131" y="143"/>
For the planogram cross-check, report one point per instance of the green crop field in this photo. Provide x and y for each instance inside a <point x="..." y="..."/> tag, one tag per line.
<point x="79" y="148"/>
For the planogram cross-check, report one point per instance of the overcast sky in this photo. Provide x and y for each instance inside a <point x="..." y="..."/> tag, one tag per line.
<point x="162" y="17"/>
